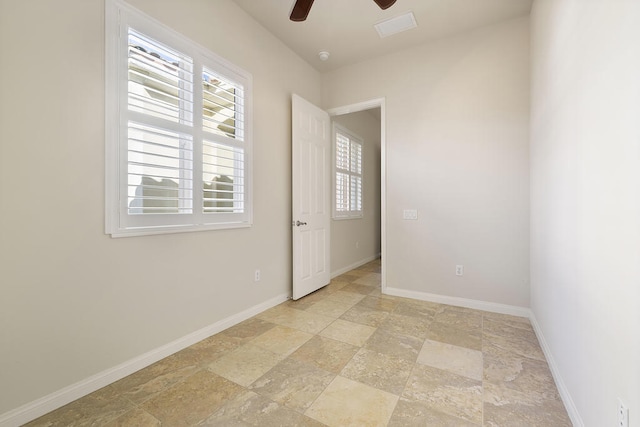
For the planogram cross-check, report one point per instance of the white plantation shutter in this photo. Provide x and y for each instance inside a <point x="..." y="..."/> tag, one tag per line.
<point x="159" y="172"/>
<point x="160" y="118"/>
<point x="160" y="80"/>
<point x="342" y="199"/>
<point x="348" y="174"/>
<point x="223" y="176"/>
<point x="171" y="169"/>
<point x="223" y="106"/>
<point x="223" y="122"/>
<point x="356" y="176"/>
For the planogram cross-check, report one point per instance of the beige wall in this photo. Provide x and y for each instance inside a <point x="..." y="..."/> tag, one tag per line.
<point x="457" y="151"/>
<point x="74" y="301"/>
<point x="365" y="231"/>
<point x="585" y="200"/>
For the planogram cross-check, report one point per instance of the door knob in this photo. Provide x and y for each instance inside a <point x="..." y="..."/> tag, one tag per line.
<point x="299" y="223"/>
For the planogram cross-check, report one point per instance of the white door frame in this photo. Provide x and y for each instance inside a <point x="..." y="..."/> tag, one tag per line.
<point x="368" y="105"/>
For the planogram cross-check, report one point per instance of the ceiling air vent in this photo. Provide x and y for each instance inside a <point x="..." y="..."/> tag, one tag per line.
<point x="396" y="25"/>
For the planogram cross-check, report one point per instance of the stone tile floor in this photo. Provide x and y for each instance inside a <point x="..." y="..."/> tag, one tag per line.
<point x="343" y="356"/>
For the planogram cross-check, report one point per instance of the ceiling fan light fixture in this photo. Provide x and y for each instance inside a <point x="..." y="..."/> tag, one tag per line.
<point x="396" y="25"/>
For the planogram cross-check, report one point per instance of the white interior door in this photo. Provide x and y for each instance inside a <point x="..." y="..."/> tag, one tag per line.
<point x="311" y="157"/>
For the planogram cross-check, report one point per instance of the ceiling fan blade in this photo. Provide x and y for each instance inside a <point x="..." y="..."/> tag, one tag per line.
<point x="301" y="10"/>
<point x="385" y="4"/>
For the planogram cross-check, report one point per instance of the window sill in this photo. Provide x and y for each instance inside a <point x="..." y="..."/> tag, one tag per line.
<point x="148" y="231"/>
<point x="341" y="218"/>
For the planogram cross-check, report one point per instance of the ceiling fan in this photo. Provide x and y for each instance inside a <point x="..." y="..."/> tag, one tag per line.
<point x="302" y="7"/>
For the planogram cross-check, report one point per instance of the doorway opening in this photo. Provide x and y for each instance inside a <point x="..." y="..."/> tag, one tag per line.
<point x="358" y="241"/>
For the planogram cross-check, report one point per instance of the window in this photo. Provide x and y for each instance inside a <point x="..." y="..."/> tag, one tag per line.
<point x="348" y="174"/>
<point x="178" y="121"/>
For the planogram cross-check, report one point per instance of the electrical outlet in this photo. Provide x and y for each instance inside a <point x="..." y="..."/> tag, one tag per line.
<point x="256" y="276"/>
<point x="459" y="270"/>
<point x="357" y="245"/>
<point x="623" y="414"/>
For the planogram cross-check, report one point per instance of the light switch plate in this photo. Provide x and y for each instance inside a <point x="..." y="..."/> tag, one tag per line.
<point x="410" y="214"/>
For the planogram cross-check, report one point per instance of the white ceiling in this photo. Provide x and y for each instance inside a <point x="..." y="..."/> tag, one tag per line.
<point x="345" y="27"/>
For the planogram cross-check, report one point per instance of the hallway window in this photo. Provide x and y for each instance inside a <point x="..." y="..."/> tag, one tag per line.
<point x="348" y="174"/>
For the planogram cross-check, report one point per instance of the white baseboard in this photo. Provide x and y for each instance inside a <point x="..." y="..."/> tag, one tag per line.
<point x="460" y="302"/>
<point x="354" y="265"/>
<point x="46" y="404"/>
<point x="572" y="411"/>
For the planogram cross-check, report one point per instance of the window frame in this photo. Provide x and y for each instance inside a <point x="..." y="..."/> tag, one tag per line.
<point x="353" y="139"/>
<point x="118" y="221"/>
